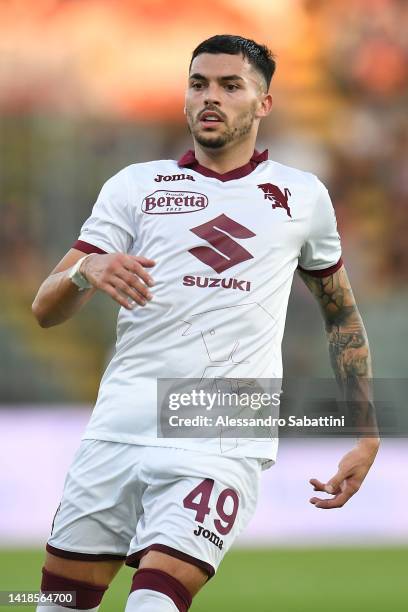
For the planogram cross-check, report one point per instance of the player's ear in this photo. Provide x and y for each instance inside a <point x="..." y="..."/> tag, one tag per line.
<point x="265" y="106"/>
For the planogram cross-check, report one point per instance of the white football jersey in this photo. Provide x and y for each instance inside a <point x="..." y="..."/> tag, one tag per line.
<point x="226" y="248"/>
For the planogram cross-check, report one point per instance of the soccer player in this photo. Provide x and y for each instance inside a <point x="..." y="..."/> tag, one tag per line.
<point x="200" y="254"/>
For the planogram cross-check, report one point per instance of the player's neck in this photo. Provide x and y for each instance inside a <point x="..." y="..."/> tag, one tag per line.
<point x="225" y="159"/>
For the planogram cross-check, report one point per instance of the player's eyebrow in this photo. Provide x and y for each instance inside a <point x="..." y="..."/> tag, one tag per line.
<point x="197" y="76"/>
<point x="230" y="77"/>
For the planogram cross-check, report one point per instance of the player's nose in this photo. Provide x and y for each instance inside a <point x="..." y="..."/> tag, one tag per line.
<point x="212" y="95"/>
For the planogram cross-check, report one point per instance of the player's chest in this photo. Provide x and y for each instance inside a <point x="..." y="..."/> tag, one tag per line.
<point x="265" y="213"/>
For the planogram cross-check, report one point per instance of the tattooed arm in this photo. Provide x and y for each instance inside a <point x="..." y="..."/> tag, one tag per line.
<point x="351" y="362"/>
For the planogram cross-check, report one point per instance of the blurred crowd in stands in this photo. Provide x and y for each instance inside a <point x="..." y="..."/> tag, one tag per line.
<point x="341" y="100"/>
<point x="367" y="58"/>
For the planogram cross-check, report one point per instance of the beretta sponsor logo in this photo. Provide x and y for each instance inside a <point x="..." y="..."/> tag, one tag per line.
<point x="163" y="202"/>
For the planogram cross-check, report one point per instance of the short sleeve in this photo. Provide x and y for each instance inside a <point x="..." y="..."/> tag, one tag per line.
<point x="110" y="228"/>
<point x="320" y="254"/>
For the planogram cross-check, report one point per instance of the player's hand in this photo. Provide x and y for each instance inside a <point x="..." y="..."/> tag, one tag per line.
<point x="353" y="468"/>
<point x="123" y="277"/>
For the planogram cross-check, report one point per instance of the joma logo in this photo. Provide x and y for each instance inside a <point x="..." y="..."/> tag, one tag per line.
<point x="226" y="252"/>
<point x="209" y="535"/>
<point x="173" y="177"/>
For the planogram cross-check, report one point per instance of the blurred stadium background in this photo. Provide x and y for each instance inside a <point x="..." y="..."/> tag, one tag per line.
<point x="90" y="86"/>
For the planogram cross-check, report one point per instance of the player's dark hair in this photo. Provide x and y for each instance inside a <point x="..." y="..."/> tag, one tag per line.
<point x="259" y="56"/>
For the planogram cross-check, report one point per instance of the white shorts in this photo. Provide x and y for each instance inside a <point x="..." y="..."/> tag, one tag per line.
<point x="122" y="500"/>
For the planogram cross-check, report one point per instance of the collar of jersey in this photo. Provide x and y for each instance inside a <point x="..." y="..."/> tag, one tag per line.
<point x="188" y="160"/>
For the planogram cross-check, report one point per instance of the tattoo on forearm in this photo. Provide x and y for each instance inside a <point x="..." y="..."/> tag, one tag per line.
<point x="348" y="344"/>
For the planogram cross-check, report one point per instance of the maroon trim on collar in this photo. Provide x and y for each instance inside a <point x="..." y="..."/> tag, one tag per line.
<point x="188" y="160"/>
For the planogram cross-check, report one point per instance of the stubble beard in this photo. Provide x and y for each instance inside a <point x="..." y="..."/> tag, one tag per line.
<point x="241" y="127"/>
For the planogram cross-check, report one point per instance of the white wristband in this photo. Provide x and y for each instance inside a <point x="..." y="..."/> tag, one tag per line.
<point x="76" y="277"/>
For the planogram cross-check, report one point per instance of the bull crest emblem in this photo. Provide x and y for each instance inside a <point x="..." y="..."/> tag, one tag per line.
<point x="277" y="196"/>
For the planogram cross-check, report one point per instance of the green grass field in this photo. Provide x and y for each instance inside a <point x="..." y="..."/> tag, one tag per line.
<point x="356" y="580"/>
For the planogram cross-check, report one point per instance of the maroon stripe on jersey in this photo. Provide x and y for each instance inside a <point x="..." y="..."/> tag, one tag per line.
<point x="325" y="272"/>
<point x="67" y="554"/>
<point x="85" y="247"/>
<point x="87" y="595"/>
<point x="133" y="560"/>
<point x="188" y="160"/>
<point x="157" y="580"/>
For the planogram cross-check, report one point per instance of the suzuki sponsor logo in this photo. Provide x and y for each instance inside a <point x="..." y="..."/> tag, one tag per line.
<point x="173" y="177"/>
<point x="163" y="202"/>
<point x="278" y="197"/>
<point x="226" y="252"/>
<point x="225" y="283"/>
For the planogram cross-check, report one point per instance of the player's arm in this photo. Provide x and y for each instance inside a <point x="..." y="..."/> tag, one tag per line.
<point x="351" y="362"/>
<point x="121" y="276"/>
